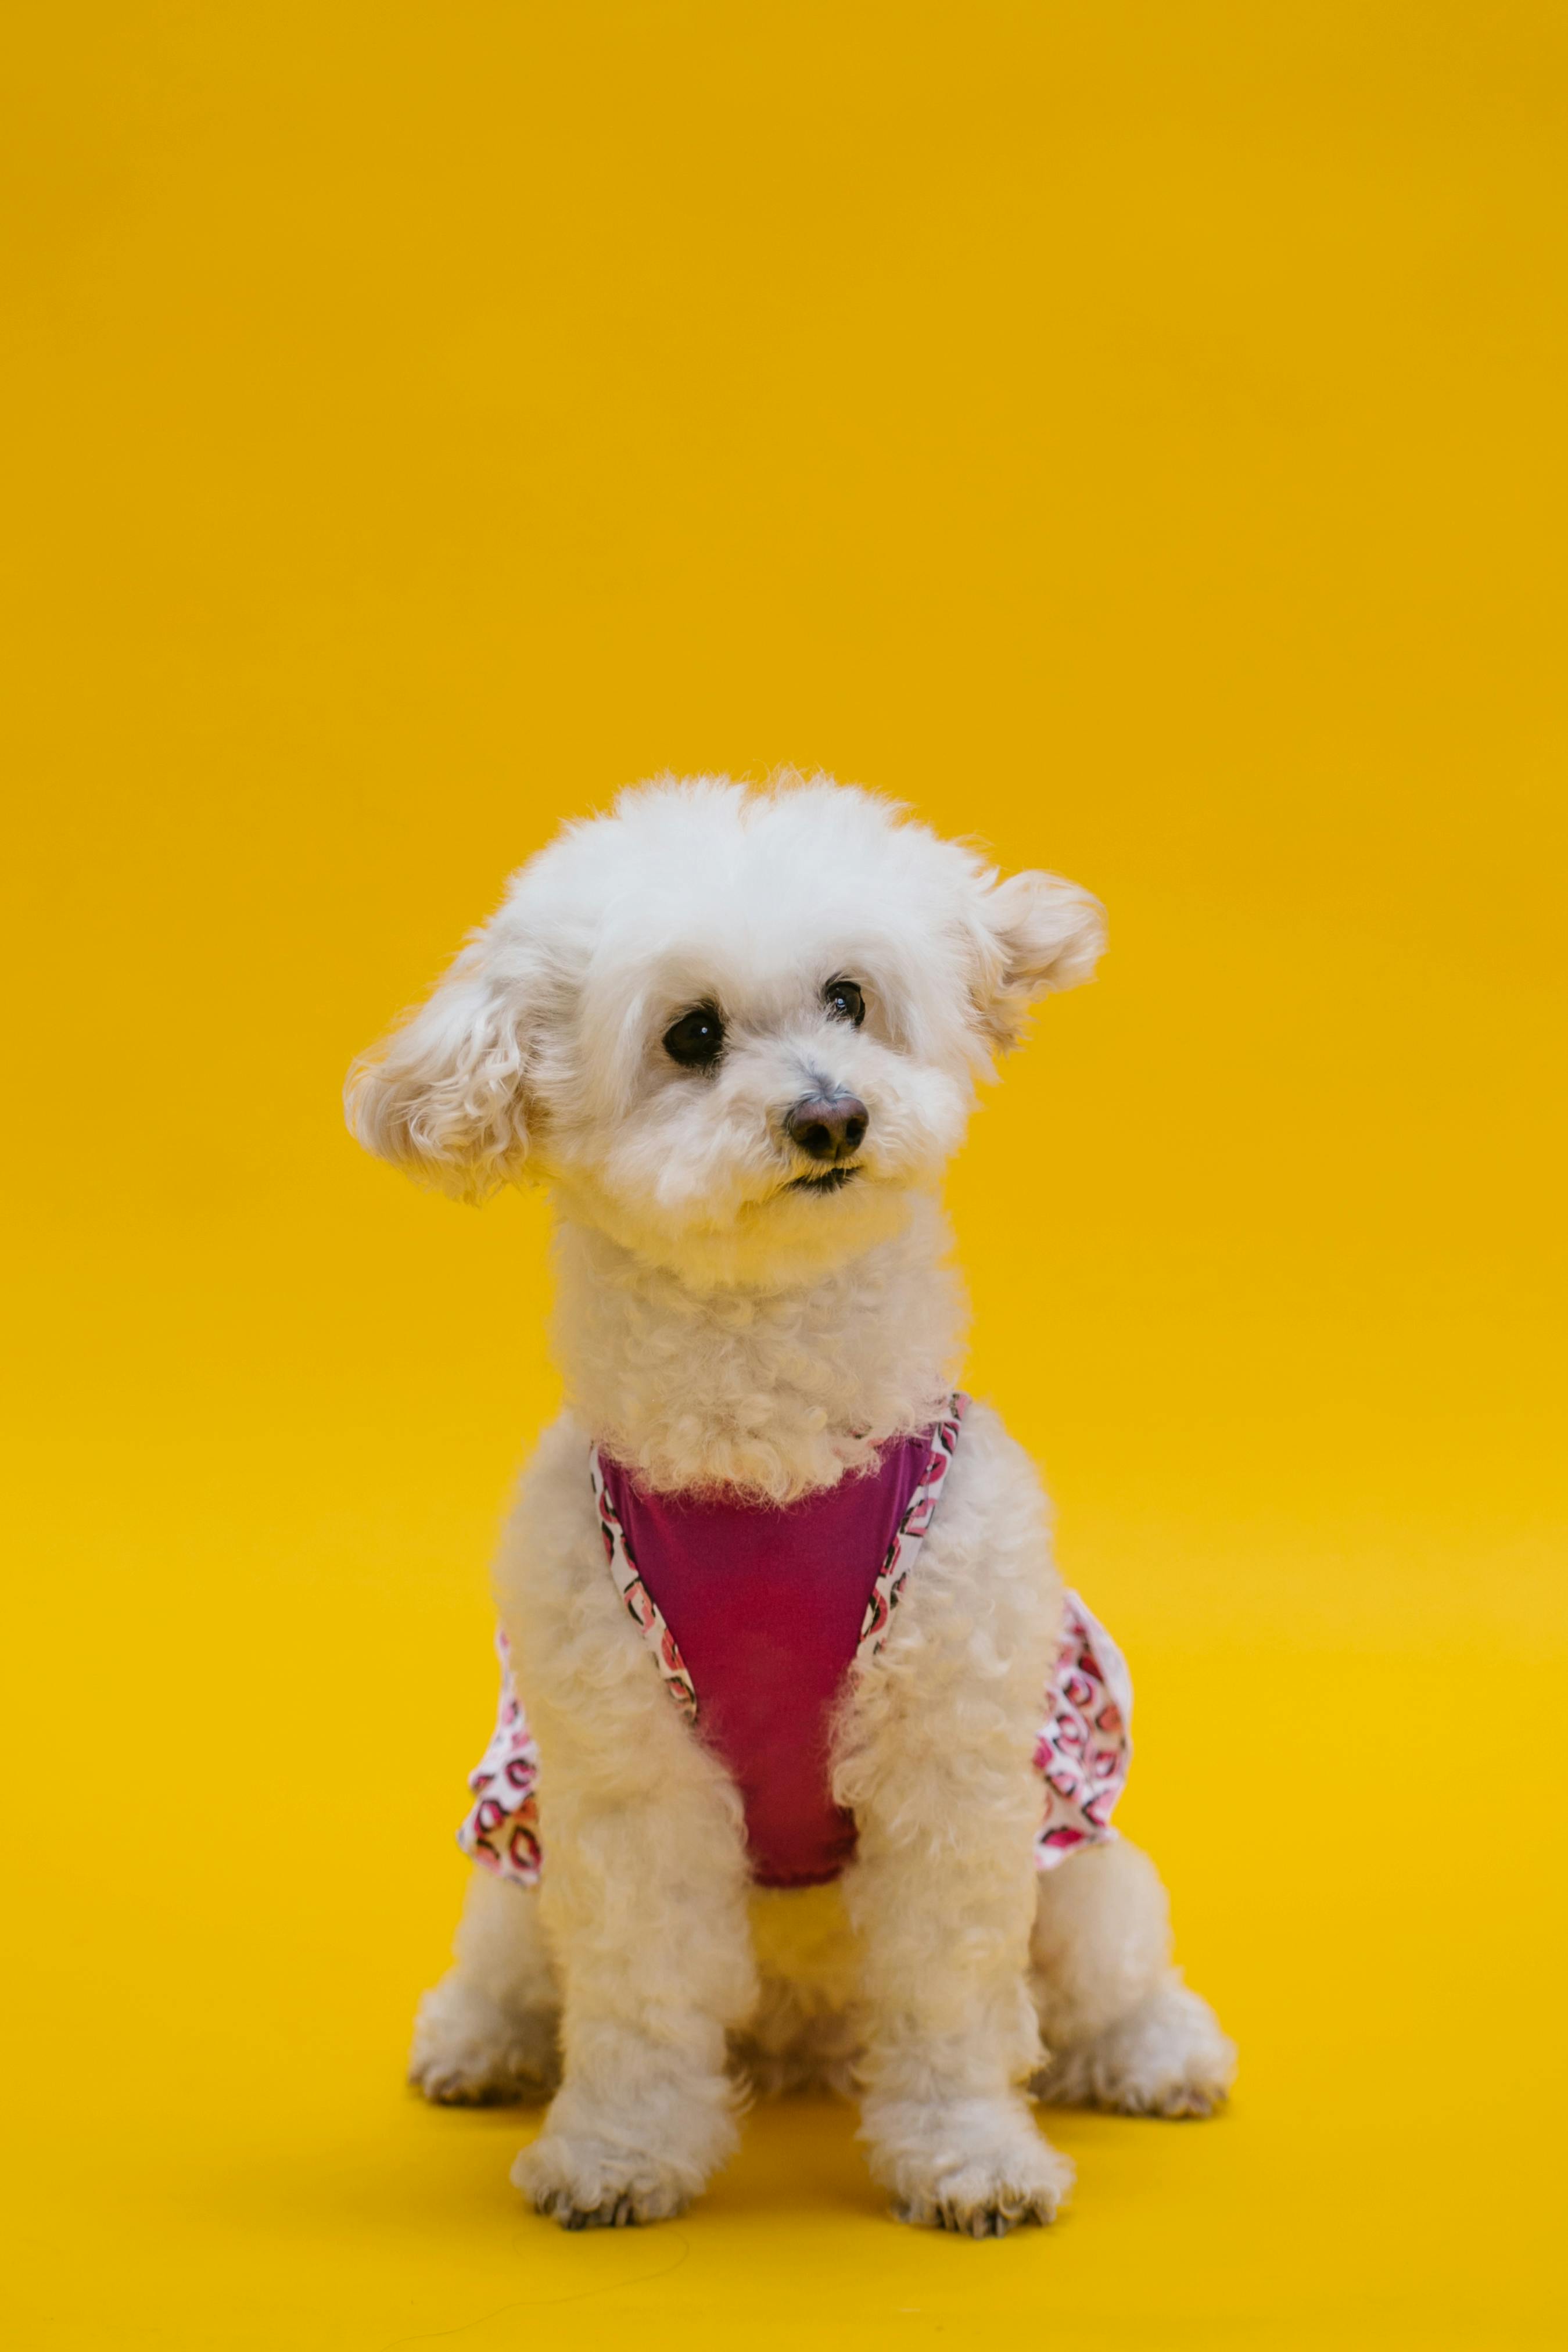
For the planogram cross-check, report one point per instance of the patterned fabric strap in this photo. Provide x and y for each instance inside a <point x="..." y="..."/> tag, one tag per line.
<point x="501" y="1828"/>
<point x="644" y="1611"/>
<point x="910" y="1533"/>
<point x="1086" y="1744"/>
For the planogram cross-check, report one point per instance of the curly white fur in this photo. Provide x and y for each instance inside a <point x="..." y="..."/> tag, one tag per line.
<point x="771" y="1391"/>
<point x="723" y="1323"/>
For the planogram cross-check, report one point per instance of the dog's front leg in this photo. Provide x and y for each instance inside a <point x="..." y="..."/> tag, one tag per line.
<point x="936" y="1760"/>
<point x="656" y="1965"/>
<point x="644" y="1881"/>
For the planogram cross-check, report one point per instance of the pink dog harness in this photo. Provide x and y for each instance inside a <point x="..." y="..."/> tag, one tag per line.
<point x="756" y="1615"/>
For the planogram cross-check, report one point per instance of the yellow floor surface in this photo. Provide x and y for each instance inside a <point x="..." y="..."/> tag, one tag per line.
<point x="1132" y="434"/>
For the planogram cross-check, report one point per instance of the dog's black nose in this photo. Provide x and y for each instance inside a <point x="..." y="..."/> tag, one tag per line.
<point x="830" y="1127"/>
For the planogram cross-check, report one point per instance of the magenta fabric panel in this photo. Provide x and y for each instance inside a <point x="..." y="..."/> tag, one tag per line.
<point x="765" y="1607"/>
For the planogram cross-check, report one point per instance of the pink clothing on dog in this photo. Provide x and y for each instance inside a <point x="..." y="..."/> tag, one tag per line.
<point x="756" y="1614"/>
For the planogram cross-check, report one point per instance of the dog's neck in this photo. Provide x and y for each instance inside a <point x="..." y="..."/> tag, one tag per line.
<point x="770" y="1392"/>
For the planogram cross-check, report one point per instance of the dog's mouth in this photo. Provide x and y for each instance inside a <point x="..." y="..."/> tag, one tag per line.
<point x="831" y="1179"/>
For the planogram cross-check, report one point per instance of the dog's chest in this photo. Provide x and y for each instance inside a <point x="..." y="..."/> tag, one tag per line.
<point x="757" y="1613"/>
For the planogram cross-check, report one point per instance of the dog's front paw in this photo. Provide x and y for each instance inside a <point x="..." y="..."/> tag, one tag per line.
<point x="469" y="2052"/>
<point x="976" y="2167"/>
<point x="1167" y="2057"/>
<point x="585" y="2183"/>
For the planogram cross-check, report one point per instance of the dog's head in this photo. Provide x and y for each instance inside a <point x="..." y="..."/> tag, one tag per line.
<point x="734" y="1028"/>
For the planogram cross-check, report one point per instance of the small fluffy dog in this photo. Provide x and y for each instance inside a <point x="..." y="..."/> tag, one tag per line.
<point x="805" y="1789"/>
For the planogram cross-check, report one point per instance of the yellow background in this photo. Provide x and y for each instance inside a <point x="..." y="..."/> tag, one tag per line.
<point x="1130" y="433"/>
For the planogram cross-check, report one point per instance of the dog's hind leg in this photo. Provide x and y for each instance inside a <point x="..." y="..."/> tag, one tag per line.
<point x="1123" y="2029"/>
<point x="487" y="2034"/>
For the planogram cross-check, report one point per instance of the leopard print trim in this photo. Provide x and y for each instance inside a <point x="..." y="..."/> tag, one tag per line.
<point x="910" y="1534"/>
<point x="641" y="1607"/>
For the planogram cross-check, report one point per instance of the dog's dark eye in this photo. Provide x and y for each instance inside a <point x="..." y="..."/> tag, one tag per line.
<point x="696" y="1039"/>
<point x="844" y="1001"/>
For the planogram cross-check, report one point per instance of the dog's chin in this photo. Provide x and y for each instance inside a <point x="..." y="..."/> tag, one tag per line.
<point x="807" y="1227"/>
<point x="803" y="1226"/>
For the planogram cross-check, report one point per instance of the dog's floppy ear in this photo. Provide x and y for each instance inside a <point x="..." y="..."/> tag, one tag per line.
<point x="1040" y="933"/>
<point x="443" y="1096"/>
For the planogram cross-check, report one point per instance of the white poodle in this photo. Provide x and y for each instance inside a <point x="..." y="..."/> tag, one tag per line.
<point x="816" y="1753"/>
